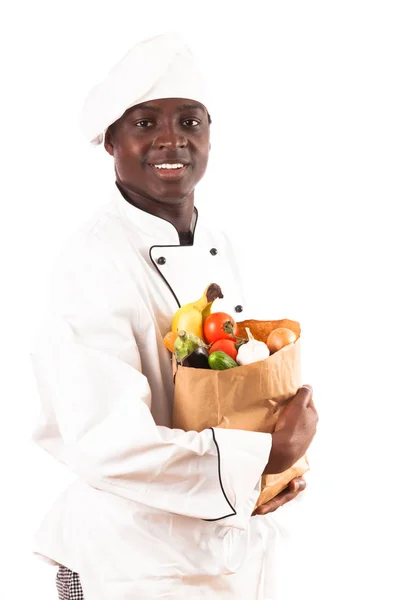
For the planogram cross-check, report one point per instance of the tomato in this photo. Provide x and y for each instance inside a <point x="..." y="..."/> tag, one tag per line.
<point x="227" y="346"/>
<point x="216" y="325"/>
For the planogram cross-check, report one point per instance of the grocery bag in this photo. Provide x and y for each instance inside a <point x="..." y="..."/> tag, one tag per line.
<point x="248" y="397"/>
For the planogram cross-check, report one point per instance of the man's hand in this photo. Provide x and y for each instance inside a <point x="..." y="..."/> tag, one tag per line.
<point x="294" y="431"/>
<point x="294" y="488"/>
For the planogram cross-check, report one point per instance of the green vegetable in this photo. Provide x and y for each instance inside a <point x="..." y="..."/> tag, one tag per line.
<point x="185" y="344"/>
<point x="220" y="361"/>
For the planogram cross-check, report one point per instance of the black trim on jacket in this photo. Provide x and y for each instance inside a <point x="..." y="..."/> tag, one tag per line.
<point x="173" y="246"/>
<point x="220" y="482"/>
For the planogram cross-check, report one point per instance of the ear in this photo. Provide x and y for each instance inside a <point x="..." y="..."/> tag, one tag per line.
<point x="108" y="142"/>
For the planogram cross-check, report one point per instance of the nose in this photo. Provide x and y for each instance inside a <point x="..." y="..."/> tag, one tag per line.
<point x="170" y="138"/>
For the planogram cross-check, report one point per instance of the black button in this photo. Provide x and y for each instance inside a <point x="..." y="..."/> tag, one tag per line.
<point x="162" y="260"/>
<point x="213" y="251"/>
<point x="239" y="308"/>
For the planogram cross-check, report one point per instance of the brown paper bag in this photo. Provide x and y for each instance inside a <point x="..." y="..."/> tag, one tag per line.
<point x="249" y="397"/>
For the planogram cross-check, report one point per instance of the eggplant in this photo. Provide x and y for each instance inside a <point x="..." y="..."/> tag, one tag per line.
<point x="197" y="359"/>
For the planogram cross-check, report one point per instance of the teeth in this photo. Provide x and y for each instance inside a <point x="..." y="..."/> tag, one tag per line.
<point x="169" y="166"/>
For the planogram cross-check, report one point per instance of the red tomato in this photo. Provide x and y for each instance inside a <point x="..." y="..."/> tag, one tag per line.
<point x="216" y="326"/>
<point x="227" y="346"/>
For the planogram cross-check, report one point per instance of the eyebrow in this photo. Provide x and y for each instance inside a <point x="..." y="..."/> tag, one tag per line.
<point x="156" y="109"/>
<point x="146" y="107"/>
<point x="190" y="106"/>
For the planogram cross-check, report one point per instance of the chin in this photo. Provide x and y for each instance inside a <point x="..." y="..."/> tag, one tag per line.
<point x="174" y="195"/>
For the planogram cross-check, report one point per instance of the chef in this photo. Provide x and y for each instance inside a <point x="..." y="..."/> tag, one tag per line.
<point x="155" y="512"/>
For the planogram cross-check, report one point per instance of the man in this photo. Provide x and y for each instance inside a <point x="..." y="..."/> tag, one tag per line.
<point x="155" y="512"/>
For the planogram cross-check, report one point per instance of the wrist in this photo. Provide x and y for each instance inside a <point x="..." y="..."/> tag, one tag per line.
<point x="281" y="455"/>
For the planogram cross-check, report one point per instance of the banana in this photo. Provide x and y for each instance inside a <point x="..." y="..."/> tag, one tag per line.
<point x="190" y="316"/>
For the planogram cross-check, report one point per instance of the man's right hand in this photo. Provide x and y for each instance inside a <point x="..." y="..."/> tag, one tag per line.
<point x="294" y="431"/>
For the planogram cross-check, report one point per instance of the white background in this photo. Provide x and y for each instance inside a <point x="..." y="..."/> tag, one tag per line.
<point x="304" y="167"/>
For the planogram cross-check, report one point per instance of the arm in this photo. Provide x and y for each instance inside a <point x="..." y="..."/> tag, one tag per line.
<point x="294" y="432"/>
<point x="88" y="371"/>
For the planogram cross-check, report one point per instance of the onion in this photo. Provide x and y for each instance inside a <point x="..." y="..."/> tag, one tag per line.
<point x="280" y="337"/>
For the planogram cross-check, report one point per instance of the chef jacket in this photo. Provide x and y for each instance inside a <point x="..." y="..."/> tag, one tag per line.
<point x="155" y="512"/>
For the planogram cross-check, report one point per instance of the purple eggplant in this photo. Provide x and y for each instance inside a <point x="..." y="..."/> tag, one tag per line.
<point x="197" y="359"/>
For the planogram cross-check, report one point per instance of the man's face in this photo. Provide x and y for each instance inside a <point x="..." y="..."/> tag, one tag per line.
<point x="156" y="133"/>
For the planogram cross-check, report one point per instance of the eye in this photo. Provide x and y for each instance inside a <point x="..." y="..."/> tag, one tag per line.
<point x="191" y="123"/>
<point x="144" y="124"/>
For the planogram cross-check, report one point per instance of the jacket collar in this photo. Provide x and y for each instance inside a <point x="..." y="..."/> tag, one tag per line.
<point x="156" y="230"/>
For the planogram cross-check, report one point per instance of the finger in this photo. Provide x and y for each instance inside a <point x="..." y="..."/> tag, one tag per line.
<point x="298" y="484"/>
<point x="285" y="496"/>
<point x="272" y="504"/>
<point x="314" y="412"/>
<point x="303" y="396"/>
<point x="269" y="507"/>
<point x="311" y="404"/>
<point x="276" y="503"/>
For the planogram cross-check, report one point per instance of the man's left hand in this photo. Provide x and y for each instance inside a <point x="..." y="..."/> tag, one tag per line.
<point x="294" y="488"/>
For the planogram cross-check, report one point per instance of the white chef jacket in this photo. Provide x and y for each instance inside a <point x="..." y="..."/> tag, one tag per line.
<point x="155" y="512"/>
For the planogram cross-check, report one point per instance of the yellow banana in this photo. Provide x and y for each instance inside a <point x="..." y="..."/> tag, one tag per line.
<point x="190" y="316"/>
<point x="207" y="311"/>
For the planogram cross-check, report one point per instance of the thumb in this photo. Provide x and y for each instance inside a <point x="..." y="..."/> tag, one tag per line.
<point x="303" y="396"/>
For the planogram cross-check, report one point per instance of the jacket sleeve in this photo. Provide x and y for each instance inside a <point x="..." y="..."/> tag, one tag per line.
<point x="96" y="406"/>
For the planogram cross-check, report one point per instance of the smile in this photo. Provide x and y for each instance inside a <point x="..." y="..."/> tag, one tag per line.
<point x="170" y="170"/>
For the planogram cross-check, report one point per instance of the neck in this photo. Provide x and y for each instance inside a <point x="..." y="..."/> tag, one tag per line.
<point x="178" y="213"/>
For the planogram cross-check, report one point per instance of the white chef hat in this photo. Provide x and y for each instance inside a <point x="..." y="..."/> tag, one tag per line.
<point x="160" y="67"/>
